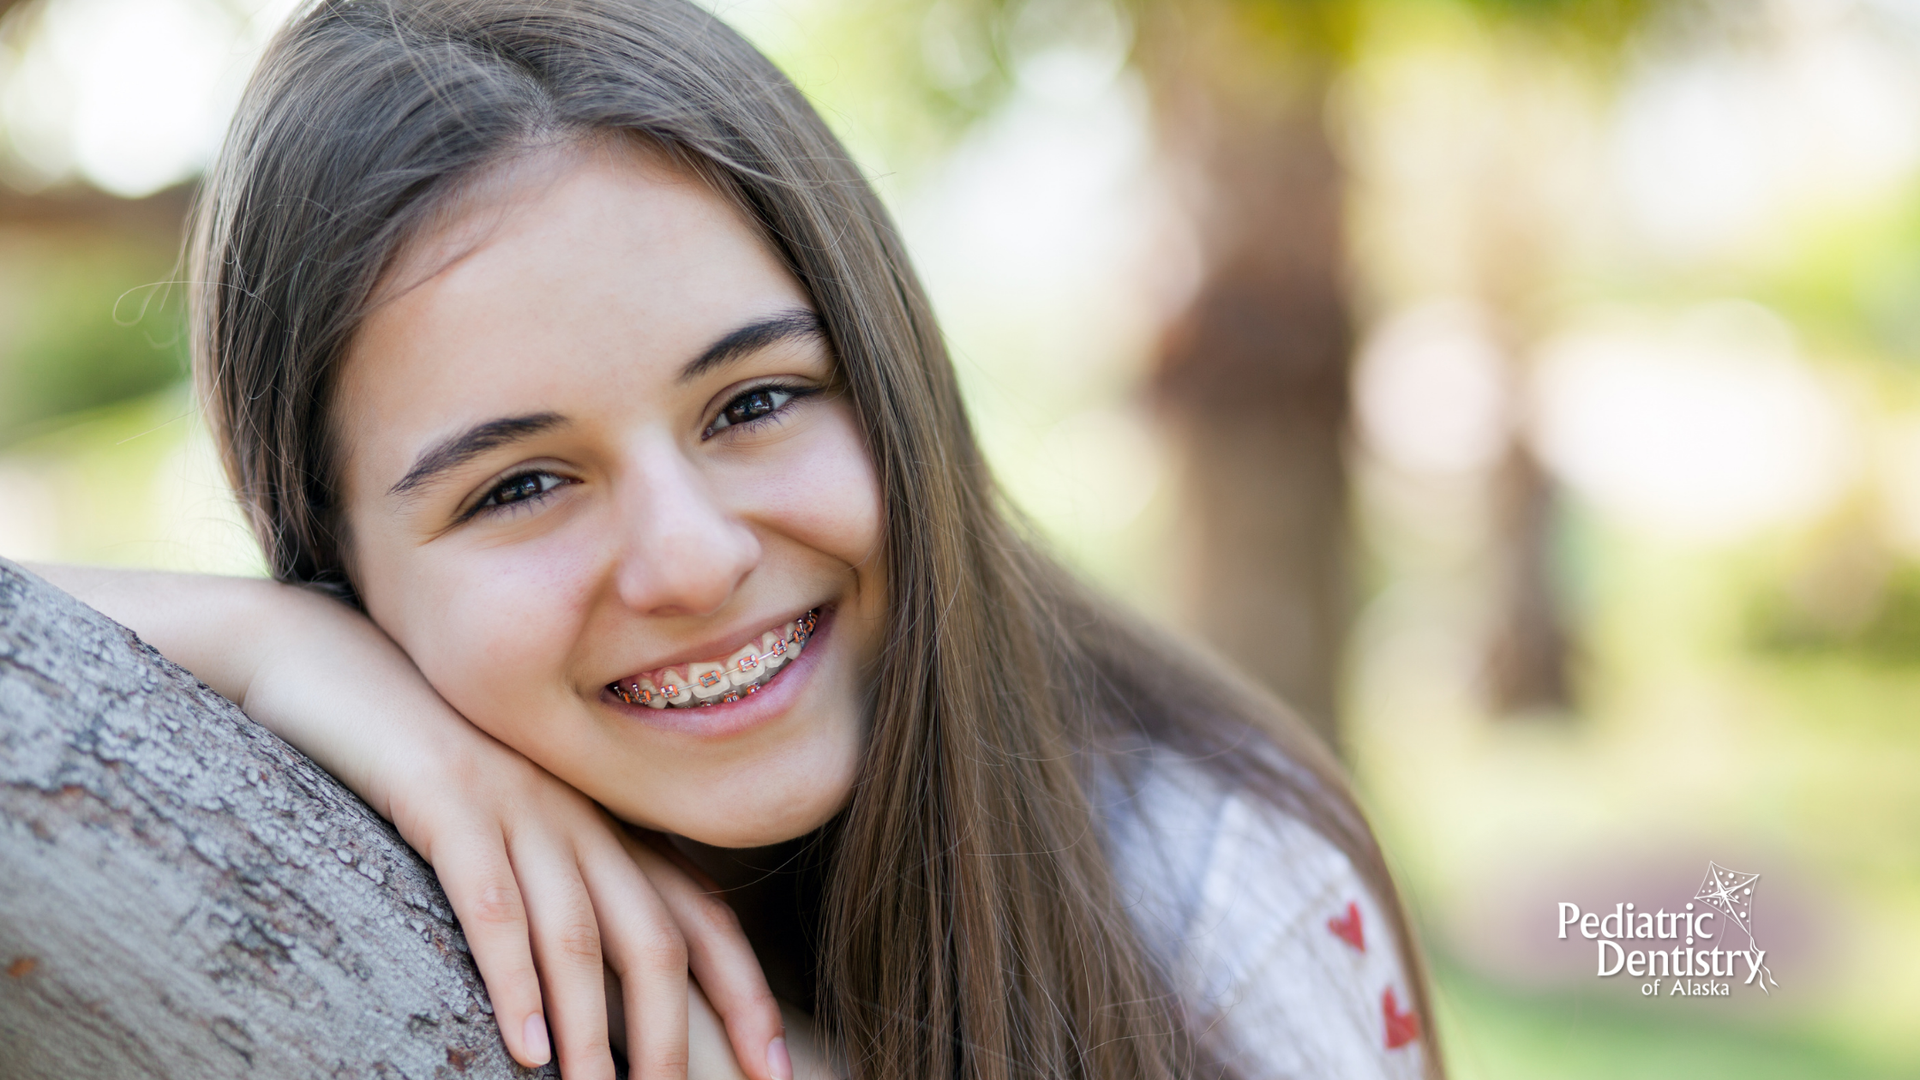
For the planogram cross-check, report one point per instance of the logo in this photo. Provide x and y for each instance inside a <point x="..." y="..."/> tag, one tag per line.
<point x="1690" y="946"/>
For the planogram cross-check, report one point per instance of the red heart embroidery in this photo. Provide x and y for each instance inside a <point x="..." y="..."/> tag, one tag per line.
<point x="1347" y="928"/>
<point x="1402" y="1027"/>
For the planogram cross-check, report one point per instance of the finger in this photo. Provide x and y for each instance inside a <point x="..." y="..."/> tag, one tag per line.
<point x="646" y="950"/>
<point x="566" y="950"/>
<point x="722" y="961"/>
<point x="479" y="882"/>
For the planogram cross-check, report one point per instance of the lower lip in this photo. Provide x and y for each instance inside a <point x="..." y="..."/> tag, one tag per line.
<point x="728" y="718"/>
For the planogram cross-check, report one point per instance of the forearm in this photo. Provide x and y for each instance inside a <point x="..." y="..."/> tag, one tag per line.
<point x="195" y="620"/>
<point x="228" y="631"/>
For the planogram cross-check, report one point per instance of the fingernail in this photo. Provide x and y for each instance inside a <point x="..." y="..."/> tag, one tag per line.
<point x="779" y="1065"/>
<point x="537" y="1046"/>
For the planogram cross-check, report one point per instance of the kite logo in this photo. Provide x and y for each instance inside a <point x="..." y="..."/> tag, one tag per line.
<point x="1724" y="898"/>
<point x="1730" y="892"/>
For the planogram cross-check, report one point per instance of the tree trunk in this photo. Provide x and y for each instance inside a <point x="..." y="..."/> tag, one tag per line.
<point x="1253" y="377"/>
<point x="184" y="895"/>
<point x="1527" y="659"/>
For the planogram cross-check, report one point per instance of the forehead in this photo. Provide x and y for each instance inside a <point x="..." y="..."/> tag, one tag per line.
<point x="569" y="278"/>
<point x="569" y="191"/>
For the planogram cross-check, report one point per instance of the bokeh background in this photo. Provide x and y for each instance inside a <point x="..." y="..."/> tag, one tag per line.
<point x="1528" y="389"/>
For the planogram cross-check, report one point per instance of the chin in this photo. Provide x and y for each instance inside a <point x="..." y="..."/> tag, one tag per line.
<point x="751" y="814"/>
<point x="773" y="826"/>
<point x="749" y="839"/>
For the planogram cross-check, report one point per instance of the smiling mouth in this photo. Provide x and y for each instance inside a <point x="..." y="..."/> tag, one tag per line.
<point x="721" y="680"/>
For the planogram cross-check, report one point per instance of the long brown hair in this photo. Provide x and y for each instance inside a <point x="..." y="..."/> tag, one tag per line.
<point x="970" y="924"/>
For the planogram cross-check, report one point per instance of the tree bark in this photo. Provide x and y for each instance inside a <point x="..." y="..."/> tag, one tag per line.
<point x="182" y="894"/>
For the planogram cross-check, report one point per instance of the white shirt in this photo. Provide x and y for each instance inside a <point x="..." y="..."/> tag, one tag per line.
<point x="1266" y="927"/>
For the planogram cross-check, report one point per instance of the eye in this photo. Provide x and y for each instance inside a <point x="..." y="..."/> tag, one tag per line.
<point x="520" y="488"/>
<point x="755" y="404"/>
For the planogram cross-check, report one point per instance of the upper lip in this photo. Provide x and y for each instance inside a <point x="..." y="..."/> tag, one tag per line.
<point x="721" y="646"/>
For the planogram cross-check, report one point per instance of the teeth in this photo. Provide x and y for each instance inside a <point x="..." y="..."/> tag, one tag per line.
<point x="711" y="682"/>
<point x="675" y="679"/>
<point x="650" y="695"/>
<point x="743" y="667"/>
<point x="773" y="648"/>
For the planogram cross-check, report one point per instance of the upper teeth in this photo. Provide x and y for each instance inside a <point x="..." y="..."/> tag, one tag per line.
<point x="707" y="682"/>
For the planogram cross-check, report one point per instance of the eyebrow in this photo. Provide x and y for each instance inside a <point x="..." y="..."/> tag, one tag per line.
<point x="451" y="453"/>
<point x="795" y="322"/>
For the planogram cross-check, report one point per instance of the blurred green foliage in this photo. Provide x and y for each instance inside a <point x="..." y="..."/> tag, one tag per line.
<point x="1501" y="1032"/>
<point x="945" y="64"/>
<point x="84" y="322"/>
<point x="1886" y="631"/>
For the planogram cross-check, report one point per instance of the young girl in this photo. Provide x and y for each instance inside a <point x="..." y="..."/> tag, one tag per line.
<point x="634" y="556"/>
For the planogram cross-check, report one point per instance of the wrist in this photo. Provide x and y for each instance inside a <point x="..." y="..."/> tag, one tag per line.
<point x="414" y="779"/>
<point x="333" y="684"/>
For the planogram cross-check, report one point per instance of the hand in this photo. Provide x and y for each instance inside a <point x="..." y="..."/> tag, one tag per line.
<point x="547" y="886"/>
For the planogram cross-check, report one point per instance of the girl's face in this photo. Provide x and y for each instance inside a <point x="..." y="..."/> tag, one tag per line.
<point x="599" y="481"/>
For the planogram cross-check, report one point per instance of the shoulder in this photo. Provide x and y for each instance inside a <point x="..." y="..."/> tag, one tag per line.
<point x="1269" y="933"/>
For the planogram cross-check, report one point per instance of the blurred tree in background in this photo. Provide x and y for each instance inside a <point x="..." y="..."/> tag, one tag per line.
<point x="1240" y="97"/>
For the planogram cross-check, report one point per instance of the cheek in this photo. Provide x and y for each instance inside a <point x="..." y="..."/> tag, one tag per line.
<point x="826" y="496"/>
<point x="493" y="628"/>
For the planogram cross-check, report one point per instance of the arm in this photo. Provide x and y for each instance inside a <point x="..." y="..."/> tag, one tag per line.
<point x="230" y="631"/>
<point x="1295" y="957"/>
<point x="548" y="888"/>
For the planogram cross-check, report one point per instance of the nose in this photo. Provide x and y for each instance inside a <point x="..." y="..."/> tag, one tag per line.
<point x="683" y="552"/>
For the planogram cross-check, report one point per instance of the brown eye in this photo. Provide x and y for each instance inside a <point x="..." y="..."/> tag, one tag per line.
<point x="515" y="489"/>
<point x="756" y="403"/>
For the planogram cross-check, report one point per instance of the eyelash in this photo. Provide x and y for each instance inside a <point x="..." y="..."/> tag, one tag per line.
<point x="720" y="423"/>
<point x="486" y="505"/>
<point x="792" y="392"/>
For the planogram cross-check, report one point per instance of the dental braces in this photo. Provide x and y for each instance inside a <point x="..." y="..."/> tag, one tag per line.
<point x="640" y="695"/>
